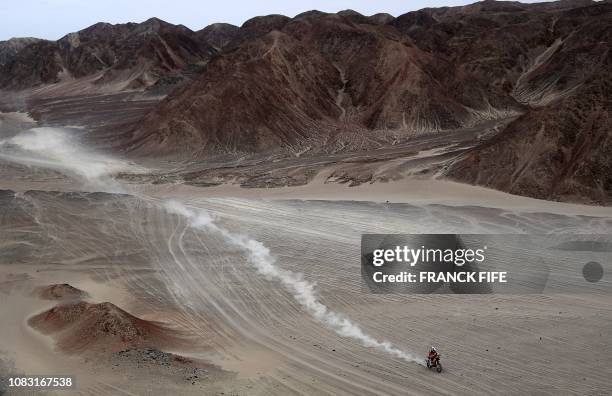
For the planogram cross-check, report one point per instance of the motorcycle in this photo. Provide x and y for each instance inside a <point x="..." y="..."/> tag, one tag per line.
<point x="435" y="363"/>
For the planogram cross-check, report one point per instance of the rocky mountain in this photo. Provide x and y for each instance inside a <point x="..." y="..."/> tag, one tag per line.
<point x="218" y="34"/>
<point x="119" y="57"/>
<point x="341" y="82"/>
<point x="10" y="48"/>
<point x="345" y="82"/>
<point x="317" y="82"/>
<point x="561" y="147"/>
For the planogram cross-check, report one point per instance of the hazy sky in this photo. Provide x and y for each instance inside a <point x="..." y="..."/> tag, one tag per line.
<point x="52" y="19"/>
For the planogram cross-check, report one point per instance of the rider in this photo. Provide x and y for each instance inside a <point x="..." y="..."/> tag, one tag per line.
<point x="433" y="354"/>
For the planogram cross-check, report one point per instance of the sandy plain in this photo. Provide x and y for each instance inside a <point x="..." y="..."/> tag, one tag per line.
<point x="251" y="332"/>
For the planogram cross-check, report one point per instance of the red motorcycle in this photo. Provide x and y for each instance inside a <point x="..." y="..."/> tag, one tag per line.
<point x="435" y="363"/>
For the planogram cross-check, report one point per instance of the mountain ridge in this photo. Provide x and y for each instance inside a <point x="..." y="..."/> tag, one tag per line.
<point x="326" y="83"/>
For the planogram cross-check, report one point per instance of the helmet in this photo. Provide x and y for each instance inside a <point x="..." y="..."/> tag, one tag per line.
<point x="433" y="349"/>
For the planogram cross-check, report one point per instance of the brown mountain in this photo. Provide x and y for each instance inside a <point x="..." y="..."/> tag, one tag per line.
<point x="330" y="83"/>
<point x="316" y="82"/>
<point x="341" y="82"/>
<point x="118" y="57"/>
<point x="218" y="34"/>
<point x="10" y="48"/>
<point x="561" y="148"/>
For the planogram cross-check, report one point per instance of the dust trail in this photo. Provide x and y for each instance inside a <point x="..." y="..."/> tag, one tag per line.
<point x="302" y="290"/>
<point x="57" y="149"/>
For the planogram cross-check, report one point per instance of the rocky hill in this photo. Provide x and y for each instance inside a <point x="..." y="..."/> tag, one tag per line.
<point x="317" y="81"/>
<point x="117" y="57"/>
<point x="10" y="48"/>
<point x="561" y="147"/>
<point x="345" y="82"/>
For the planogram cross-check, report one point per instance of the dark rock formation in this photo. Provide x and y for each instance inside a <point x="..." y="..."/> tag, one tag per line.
<point x="323" y="82"/>
<point x="130" y="55"/>
<point x="10" y="48"/>
<point x="561" y="148"/>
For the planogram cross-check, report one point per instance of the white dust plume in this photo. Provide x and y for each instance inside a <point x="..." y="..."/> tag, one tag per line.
<point x="302" y="290"/>
<point x="58" y="149"/>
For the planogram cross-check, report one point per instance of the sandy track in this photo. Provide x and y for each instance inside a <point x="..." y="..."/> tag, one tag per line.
<point x="197" y="281"/>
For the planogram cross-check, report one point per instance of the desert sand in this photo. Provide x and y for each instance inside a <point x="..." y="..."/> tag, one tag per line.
<point x="128" y="250"/>
<point x="218" y="268"/>
<point x="181" y="211"/>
